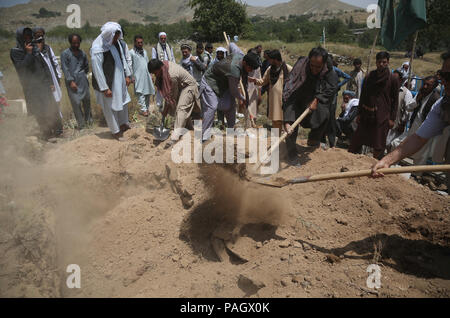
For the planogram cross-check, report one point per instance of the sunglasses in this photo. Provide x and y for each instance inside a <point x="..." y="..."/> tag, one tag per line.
<point x="445" y="76"/>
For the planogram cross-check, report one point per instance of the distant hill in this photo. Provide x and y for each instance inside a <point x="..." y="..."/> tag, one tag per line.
<point x="97" y="12"/>
<point x="159" y="11"/>
<point x="299" y="7"/>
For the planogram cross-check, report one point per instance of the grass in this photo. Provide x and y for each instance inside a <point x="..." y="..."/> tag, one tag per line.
<point x="290" y="51"/>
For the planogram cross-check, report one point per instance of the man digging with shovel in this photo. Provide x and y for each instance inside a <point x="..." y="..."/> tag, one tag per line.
<point x="180" y="91"/>
<point x="312" y="83"/>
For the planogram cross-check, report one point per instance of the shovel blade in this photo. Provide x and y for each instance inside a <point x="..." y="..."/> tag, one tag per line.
<point x="161" y="134"/>
<point x="277" y="183"/>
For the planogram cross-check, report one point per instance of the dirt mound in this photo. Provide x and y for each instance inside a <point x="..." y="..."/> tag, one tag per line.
<point x="139" y="225"/>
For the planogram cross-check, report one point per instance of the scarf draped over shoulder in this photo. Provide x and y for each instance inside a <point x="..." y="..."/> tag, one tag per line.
<point x="298" y="75"/>
<point x="164" y="83"/>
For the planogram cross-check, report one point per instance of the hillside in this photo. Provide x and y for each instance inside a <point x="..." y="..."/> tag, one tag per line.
<point x="96" y="12"/>
<point x="299" y="7"/>
<point x="159" y="11"/>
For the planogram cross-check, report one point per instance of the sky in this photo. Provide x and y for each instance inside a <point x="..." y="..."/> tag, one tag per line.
<point x="10" y="3"/>
<point x="360" y="3"/>
<point x="262" y="3"/>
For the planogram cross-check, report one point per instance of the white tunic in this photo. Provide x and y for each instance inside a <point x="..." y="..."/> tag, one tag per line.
<point x="143" y="82"/>
<point x="114" y="108"/>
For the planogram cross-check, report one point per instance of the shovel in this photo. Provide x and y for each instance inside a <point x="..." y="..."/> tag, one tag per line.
<point x="282" y="138"/>
<point x="161" y="133"/>
<point x="281" y="182"/>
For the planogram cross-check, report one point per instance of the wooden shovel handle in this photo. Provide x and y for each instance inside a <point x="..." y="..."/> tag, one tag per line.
<point x="367" y="173"/>
<point x="283" y="137"/>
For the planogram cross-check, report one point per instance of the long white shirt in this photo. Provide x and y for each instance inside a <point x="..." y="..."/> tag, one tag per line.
<point x="120" y="96"/>
<point x="143" y="82"/>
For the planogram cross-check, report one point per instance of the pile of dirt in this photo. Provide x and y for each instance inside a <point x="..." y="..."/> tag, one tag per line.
<point x="139" y="225"/>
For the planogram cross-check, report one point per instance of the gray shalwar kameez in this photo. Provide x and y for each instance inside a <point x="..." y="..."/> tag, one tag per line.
<point x="75" y="68"/>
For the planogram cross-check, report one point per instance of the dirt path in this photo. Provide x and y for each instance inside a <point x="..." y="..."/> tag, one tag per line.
<point x="140" y="226"/>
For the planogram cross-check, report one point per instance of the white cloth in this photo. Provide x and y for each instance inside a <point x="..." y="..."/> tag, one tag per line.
<point x="222" y="49"/>
<point x="415" y="125"/>
<point x="129" y="62"/>
<point x="186" y="61"/>
<point x="56" y="63"/>
<point x="161" y="34"/>
<point x="405" y="74"/>
<point x="215" y="60"/>
<point x="115" y="108"/>
<point x="410" y="101"/>
<point x="352" y="103"/>
<point x="143" y="82"/>
<point x="166" y="57"/>
<point x="105" y="40"/>
<point x="432" y="129"/>
<point x="48" y="58"/>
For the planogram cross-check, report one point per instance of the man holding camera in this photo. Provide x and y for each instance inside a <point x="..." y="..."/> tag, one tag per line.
<point x="37" y="83"/>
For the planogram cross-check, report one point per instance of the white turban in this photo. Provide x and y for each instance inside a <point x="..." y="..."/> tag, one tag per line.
<point x="104" y="41"/>
<point x="222" y="49"/>
<point x="161" y="34"/>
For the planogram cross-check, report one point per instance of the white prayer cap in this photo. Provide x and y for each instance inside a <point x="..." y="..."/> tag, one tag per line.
<point x="222" y="49"/>
<point x="161" y="34"/>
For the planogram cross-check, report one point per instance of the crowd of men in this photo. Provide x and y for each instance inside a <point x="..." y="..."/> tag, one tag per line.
<point x="378" y="111"/>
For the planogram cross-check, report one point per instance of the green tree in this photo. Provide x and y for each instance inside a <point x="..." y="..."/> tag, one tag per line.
<point x="437" y="35"/>
<point x="213" y="17"/>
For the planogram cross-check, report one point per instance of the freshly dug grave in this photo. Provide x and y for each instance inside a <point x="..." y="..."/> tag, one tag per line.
<point x="140" y="226"/>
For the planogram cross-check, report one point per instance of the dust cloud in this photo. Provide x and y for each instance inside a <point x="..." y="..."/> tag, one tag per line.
<point x="45" y="212"/>
<point x="241" y="201"/>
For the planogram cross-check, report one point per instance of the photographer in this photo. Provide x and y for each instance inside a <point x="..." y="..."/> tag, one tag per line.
<point x="37" y="83"/>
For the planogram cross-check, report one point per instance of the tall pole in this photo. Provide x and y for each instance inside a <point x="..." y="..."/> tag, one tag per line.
<point x="371" y="50"/>
<point x="412" y="59"/>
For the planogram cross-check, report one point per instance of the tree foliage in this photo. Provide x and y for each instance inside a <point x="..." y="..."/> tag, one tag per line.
<point x="175" y="31"/>
<point x="213" y="17"/>
<point x="298" y="29"/>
